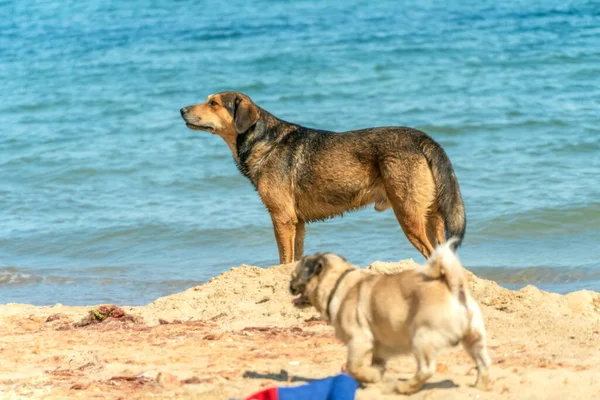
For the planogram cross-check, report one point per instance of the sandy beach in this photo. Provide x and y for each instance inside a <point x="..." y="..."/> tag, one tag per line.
<point x="239" y="333"/>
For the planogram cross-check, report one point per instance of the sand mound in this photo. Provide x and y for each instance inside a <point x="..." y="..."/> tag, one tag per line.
<point x="239" y="333"/>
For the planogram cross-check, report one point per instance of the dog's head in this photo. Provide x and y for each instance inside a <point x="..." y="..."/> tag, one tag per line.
<point x="226" y="114"/>
<point x="310" y="272"/>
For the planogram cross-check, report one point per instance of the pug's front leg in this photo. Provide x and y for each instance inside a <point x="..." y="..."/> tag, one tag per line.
<point x="359" y="365"/>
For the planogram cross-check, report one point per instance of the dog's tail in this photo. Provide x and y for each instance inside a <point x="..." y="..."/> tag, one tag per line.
<point x="445" y="265"/>
<point x="449" y="201"/>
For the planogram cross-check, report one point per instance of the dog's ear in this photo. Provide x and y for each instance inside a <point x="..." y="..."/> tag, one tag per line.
<point x="313" y="266"/>
<point x="245" y="114"/>
<point x="318" y="267"/>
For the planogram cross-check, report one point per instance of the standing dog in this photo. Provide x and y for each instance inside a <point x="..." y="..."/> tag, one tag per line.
<point x="304" y="175"/>
<point x="421" y="311"/>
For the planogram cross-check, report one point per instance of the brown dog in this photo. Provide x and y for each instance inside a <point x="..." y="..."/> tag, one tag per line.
<point x="304" y="175"/>
<point x="421" y="311"/>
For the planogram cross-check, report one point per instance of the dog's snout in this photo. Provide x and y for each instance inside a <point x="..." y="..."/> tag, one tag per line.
<point x="184" y="111"/>
<point x="296" y="287"/>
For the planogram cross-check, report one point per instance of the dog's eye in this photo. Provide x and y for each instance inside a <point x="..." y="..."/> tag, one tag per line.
<point x="212" y="103"/>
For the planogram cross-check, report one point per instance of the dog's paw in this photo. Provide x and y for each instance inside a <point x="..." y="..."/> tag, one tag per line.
<point x="367" y="375"/>
<point x="483" y="383"/>
<point x="407" y="387"/>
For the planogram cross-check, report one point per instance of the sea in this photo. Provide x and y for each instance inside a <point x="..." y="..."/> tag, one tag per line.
<point x="106" y="196"/>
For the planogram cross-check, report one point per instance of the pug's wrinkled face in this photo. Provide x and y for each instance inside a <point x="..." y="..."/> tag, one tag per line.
<point x="305" y="279"/>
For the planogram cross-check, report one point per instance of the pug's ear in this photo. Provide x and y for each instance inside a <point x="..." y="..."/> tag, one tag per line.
<point x="314" y="266"/>
<point x="318" y="267"/>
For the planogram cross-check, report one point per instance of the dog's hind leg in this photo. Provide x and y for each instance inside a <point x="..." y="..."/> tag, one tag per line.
<point x="413" y="226"/>
<point x="425" y="346"/>
<point x="435" y="229"/>
<point x="358" y="350"/>
<point x="478" y="353"/>
<point x="411" y="190"/>
<point x="299" y="240"/>
<point x="474" y="342"/>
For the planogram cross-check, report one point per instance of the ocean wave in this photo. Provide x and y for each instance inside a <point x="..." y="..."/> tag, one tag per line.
<point x="440" y="129"/>
<point x="14" y="277"/>
<point x="541" y="222"/>
<point x="579" y="147"/>
<point x="538" y="275"/>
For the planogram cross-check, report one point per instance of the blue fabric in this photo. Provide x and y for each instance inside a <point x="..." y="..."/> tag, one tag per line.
<point x="340" y="387"/>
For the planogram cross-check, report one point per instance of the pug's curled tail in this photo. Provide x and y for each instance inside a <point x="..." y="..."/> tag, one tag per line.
<point x="445" y="265"/>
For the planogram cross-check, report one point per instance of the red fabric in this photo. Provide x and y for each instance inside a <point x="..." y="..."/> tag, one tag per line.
<point x="269" y="394"/>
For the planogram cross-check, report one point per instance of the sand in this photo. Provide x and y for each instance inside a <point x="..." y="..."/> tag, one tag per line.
<point x="239" y="333"/>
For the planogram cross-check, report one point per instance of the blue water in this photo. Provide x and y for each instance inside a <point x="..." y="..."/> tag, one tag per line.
<point x="106" y="196"/>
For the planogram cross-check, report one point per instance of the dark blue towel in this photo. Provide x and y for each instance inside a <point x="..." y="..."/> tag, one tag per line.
<point x="340" y="387"/>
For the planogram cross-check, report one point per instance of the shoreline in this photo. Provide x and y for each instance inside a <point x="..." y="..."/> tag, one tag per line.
<point x="239" y="333"/>
<point x="558" y="280"/>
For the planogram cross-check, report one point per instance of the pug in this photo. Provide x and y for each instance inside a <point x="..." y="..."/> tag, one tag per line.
<point x="420" y="311"/>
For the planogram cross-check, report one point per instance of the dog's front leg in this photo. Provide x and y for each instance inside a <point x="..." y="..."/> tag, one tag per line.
<point x="379" y="359"/>
<point x="358" y="363"/>
<point x="299" y="241"/>
<point x="285" y="233"/>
